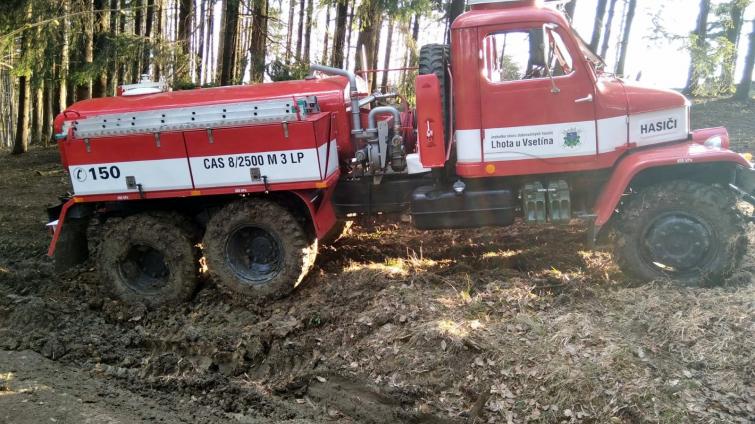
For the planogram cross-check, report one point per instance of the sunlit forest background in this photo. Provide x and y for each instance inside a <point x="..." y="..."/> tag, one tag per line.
<point x="56" y="52"/>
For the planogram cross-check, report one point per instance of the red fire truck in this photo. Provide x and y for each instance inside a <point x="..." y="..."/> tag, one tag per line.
<point x="516" y="119"/>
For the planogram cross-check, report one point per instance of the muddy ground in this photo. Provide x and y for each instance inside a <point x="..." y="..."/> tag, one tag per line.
<point x="394" y="325"/>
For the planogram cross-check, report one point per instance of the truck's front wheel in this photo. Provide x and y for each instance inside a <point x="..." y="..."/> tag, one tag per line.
<point x="682" y="230"/>
<point x="258" y="249"/>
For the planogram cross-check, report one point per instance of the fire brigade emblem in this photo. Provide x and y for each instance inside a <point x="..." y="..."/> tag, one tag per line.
<point x="80" y="174"/>
<point x="572" y="138"/>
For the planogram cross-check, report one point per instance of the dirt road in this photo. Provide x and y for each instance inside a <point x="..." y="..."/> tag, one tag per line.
<point x="394" y="325"/>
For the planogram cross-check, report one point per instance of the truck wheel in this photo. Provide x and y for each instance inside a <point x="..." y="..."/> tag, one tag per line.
<point x="258" y="249"/>
<point x="147" y="259"/>
<point x="685" y="231"/>
<point x="434" y="59"/>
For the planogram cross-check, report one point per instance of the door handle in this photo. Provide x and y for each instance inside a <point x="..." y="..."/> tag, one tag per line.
<point x="587" y="99"/>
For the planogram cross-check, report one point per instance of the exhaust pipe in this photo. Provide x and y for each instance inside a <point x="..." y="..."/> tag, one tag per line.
<point x="356" y="124"/>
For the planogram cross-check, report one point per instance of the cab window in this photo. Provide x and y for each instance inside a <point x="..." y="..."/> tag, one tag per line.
<point x="525" y="55"/>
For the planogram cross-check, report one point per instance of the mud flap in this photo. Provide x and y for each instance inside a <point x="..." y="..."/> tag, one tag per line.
<point x="69" y="246"/>
<point x="72" y="247"/>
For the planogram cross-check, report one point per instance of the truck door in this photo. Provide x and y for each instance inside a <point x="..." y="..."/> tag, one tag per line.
<point x="537" y="111"/>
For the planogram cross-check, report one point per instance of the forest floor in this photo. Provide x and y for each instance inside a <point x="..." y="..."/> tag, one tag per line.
<point x="394" y="325"/>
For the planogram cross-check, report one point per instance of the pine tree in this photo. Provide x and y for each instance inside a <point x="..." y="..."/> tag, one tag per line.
<point x="745" y="87"/>
<point x="699" y="42"/>
<point x="230" y="36"/>
<point x="307" y="33"/>
<point x="631" y="9"/>
<point x="608" y="28"/>
<point x="600" y="15"/>
<point x="339" y="36"/>
<point x="258" y="46"/>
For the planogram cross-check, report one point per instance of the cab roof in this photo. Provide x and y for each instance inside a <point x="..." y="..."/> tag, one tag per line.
<point x="484" y="14"/>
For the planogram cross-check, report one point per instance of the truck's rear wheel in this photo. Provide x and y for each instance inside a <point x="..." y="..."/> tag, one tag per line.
<point x="258" y="249"/>
<point x="685" y="231"/>
<point x="147" y="259"/>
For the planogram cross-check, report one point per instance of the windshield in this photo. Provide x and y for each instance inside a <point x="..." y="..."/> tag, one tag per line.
<point x="588" y="53"/>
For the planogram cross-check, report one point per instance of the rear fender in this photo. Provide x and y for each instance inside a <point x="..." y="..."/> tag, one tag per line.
<point x="675" y="155"/>
<point x="319" y="203"/>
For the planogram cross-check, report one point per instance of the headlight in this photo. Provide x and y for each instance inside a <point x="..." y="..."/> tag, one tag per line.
<point x="715" y="142"/>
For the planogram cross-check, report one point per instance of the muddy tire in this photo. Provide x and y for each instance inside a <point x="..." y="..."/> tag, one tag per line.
<point x="435" y="59"/>
<point x="147" y="259"/>
<point x="683" y="231"/>
<point x="258" y="249"/>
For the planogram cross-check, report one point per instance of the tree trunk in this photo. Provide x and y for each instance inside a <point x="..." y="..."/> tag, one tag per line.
<point x="185" y="13"/>
<point x="229" y="44"/>
<point x="123" y="69"/>
<point x="39" y="100"/>
<point x="745" y="87"/>
<point x="325" y="43"/>
<point x="455" y="8"/>
<point x="569" y="9"/>
<point x="101" y="27"/>
<point x="221" y="42"/>
<point x="349" y="28"/>
<point x="415" y="39"/>
<point x="47" y="112"/>
<point x="308" y="33"/>
<point x="244" y="41"/>
<point x="112" y="70"/>
<point x="387" y="61"/>
<point x="290" y="29"/>
<point x="339" y="35"/>
<point x="64" y="58"/>
<point x="157" y="66"/>
<point x="600" y="15"/>
<point x="200" y="42"/>
<point x="136" y="66"/>
<point x="258" y="48"/>
<point x="699" y="43"/>
<point x="21" y="143"/>
<point x="149" y="16"/>
<point x="609" y="27"/>
<point x="625" y="37"/>
<point x="378" y="28"/>
<point x="736" y="14"/>
<point x="300" y="31"/>
<point x="367" y="40"/>
<point x="209" y="62"/>
<point x="84" y="89"/>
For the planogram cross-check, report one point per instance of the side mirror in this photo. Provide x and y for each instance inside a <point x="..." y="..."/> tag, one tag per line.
<point x="548" y="53"/>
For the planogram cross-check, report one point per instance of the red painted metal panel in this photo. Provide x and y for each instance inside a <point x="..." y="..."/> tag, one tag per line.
<point x="136" y="147"/>
<point x="432" y="148"/>
<point x="257" y="138"/>
<point x="537" y="166"/>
